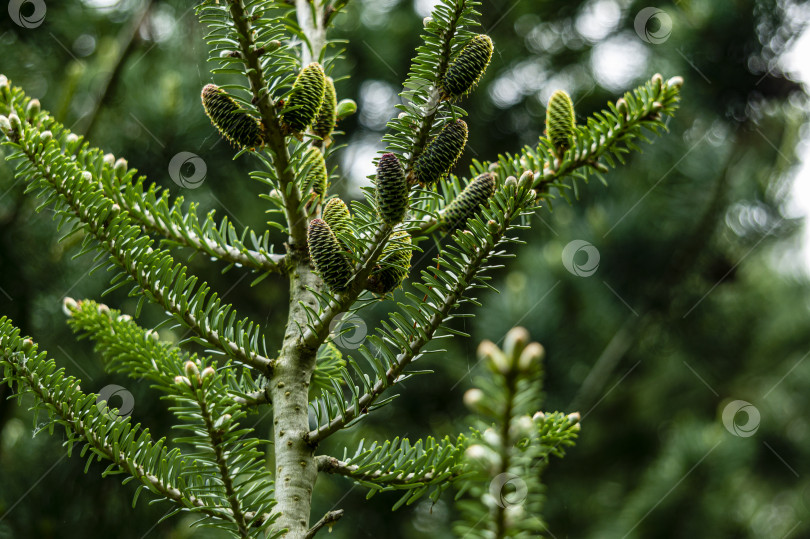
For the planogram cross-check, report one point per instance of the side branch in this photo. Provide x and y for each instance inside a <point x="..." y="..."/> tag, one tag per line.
<point x="156" y="216"/>
<point x="328" y="519"/>
<point x="154" y="221"/>
<point x="331" y="465"/>
<point x="274" y="138"/>
<point x="607" y="135"/>
<point x="440" y="314"/>
<point x="215" y="437"/>
<point x="18" y="363"/>
<point x="423" y="129"/>
<point x="105" y="233"/>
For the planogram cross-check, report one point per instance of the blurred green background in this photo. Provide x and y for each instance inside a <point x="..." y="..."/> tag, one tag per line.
<point x="700" y="298"/>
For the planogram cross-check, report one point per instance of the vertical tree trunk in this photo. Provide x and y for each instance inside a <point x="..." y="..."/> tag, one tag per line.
<point x="296" y="470"/>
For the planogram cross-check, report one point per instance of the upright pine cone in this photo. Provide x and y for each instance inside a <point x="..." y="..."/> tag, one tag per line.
<point x="392" y="190"/>
<point x="337" y="216"/>
<point x="465" y="70"/>
<point x="393" y="266"/>
<point x="467" y="203"/>
<point x="325" y="121"/>
<point x="238" y="127"/>
<point x="560" y="121"/>
<point x="305" y="99"/>
<point x="442" y="153"/>
<point x="330" y="260"/>
<point x="317" y="178"/>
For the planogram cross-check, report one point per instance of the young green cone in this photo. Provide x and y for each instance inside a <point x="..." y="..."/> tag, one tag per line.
<point x="325" y="121"/>
<point x="465" y="70"/>
<point x="392" y="190"/>
<point x="330" y="260"/>
<point x="337" y="216"/>
<point x="395" y="262"/>
<point x="305" y="99"/>
<point x="560" y="121"/>
<point x="238" y="127"/>
<point x="317" y="178"/>
<point x="467" y="203"/>
<point x="442" y="153"/>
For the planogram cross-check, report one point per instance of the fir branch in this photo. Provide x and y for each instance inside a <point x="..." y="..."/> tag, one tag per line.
<point x="274" y="137"/>
<point x="129" y="349"/>
<point x="446" y="32"/>
<point x="152" y="210"/>
<point x="130" y="449"/>
<point x="228" y="456"/>
<point x="326" y="521"/>
<point x="46" y="166"/>
<point x="428" y="466"/>
<point x="514" y="441"/>
<point x="427" y="317"/>
<point x="331" y="465"/>
<point x="155" y="214"/>
<point x="124" y="346"/>
<point x="607" y="136"/>
<point x="215" y="434"/>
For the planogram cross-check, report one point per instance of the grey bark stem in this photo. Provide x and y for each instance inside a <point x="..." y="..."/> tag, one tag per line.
<point x="310" y="16"/>
<point x="296" y="470"/>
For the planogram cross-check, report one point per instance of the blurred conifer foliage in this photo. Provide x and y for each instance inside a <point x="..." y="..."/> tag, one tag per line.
<point x="694" y="302"/>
